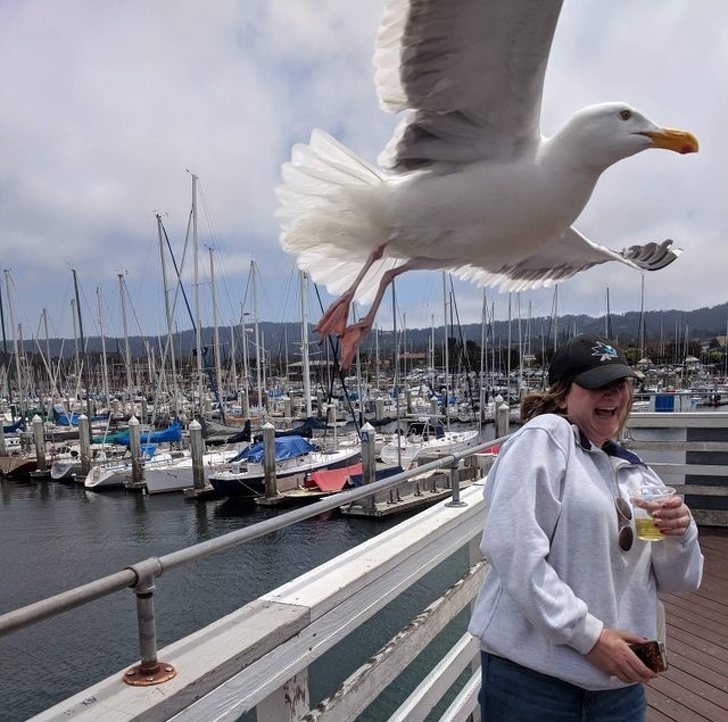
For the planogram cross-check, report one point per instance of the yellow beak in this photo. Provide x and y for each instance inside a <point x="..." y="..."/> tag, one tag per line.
<point x="681" y="141"/>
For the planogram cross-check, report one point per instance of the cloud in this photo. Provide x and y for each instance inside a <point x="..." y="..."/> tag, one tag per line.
<point x="105" y="106"/>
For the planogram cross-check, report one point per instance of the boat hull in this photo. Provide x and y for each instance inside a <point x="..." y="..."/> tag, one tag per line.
<point x="251" y="484"/>
<point x="120" y="475"/>
<point x="410" y="450"/>
<point x="164" y="479"/>
<point x="12" y="466"/>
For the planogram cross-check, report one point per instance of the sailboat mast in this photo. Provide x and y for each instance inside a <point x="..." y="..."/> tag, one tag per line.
<point x="608" y="319"/>
<point x="246" y="362"/>
<point x="642" y="318"/>
<point x="51" y="383"/>
<point x="102" y="332"/>
<point x="306" y="367"/>
<point x="508" y="348"/>
<point x="84" y="362"/>
<point x="127" y="350"/>
<point x="445" y="350"/>
<point x="16" y="352"/>
<point x="198" y="325"/>
<point x="256" y="322"/>
<point x="216" y="332"/>
<point x="168" y="316"/>
<point x="2" y="324"/>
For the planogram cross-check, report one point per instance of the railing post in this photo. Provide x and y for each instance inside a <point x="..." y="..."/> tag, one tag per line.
<point x="150" y="670"/>
<point x="288" y="702"/>
<point x="455" y="484"/>
<point x="3" y="448"/>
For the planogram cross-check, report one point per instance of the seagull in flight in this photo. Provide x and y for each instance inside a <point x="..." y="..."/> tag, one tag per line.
<point x="467" y="183"/>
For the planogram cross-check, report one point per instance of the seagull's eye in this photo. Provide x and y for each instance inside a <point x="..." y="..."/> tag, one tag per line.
<point x="625" y="114"/>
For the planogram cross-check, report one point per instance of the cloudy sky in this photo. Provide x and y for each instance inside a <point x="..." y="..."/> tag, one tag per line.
<point x="106" y="108"/>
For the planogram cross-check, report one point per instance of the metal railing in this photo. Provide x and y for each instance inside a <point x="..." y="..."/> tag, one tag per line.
<point x="141" y="577"/>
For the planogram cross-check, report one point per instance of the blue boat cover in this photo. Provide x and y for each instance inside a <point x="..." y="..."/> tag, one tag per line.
<point x="171" y="434"/>
<point x="62" y="418"/>
<point x="19" y="425"/>
<point x="287" y="447"/>
<point x="305" y="429"/>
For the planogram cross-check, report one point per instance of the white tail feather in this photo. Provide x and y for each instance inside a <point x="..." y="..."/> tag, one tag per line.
<point x="331" y="211"/>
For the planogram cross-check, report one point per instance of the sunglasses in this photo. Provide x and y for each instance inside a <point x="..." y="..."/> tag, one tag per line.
<point x="624" y="519"/>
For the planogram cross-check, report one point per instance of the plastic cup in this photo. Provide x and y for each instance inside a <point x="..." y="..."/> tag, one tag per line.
<point x="644" y="502"/>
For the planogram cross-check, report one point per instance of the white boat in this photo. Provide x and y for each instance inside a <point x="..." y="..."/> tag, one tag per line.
<point x="176" y="476"/>
<point x="295" y="458"/>
<point x="424" y="436"/>
<point x="118" y="474"/>
<point x="66" y="463"/>
<point x="66" y="466"/>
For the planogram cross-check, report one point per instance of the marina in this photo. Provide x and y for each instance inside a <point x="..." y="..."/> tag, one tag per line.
<point x="693" y="689"/>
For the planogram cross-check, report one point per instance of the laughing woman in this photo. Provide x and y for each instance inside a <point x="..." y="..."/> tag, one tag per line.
<point x="570" y="587"/>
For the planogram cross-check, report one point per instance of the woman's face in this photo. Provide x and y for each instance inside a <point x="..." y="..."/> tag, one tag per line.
<point x="599" y="413"/>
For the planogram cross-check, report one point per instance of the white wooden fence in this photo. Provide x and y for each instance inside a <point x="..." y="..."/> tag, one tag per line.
<point x="690" y="452"/>
<point x="258" y="657"/>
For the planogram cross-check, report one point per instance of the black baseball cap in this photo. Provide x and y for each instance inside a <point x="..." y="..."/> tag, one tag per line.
<point x="590" y="361"/>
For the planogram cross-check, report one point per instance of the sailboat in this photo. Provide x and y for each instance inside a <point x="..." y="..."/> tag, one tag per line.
<point x="424" y="436"/>
<point x="296" y="458"/>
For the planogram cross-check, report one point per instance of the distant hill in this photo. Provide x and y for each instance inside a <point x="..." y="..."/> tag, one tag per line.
<point x="700" y="325"/>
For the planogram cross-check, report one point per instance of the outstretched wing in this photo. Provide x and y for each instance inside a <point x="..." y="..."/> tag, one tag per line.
<point x="472" y="72"/>
<point x="565" y="257"/>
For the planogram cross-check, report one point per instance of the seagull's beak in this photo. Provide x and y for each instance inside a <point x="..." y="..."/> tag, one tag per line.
<point x="681" y="141"/>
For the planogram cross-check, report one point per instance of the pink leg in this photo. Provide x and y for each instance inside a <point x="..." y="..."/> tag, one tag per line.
<point x="334" y="320"/>
<point x="353" y="334"/>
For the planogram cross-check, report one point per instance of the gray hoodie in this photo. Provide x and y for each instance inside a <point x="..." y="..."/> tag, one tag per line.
<point x="558" y="575"/>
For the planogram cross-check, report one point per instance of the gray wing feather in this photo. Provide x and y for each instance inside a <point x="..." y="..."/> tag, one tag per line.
<point x="471" y="72"/>
<point x="652" y="256"/>
<point x="563" y="258"/>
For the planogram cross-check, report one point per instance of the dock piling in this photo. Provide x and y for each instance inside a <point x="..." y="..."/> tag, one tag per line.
<point x="39" y="440"/>
<point x="197" y="450"/>
<point x="135" y="447"/>
<point x="84" y="438"/>
<point x="269" y="461"/>
<point x="501" y="417"/>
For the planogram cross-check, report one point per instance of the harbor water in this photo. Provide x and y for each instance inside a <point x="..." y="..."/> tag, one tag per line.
<point x="55" y="536"/>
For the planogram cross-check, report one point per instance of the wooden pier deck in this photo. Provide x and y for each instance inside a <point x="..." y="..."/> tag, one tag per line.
<point x="695" y="687"/>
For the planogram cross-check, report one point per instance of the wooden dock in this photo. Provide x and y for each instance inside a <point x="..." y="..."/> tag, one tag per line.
<point x="695" y="687"/>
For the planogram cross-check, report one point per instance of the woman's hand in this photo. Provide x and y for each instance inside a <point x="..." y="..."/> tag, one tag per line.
<point x="612" y="654"/>
<point x="672" y="517"/>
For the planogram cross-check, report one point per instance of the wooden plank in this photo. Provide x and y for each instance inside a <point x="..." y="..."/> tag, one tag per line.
<point x="701" y="489"/>
<point x="645" y="445"/>
<point x="713" y="517"/>
<point x="355" y="693"/>
<point x="695" y="687"/>
<point x="678" y="420"/>
<point x="718" y="470"/>
<point x="671" y="688"/>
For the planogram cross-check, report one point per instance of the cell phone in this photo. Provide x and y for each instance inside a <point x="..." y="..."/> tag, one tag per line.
<point x="652" y="654"/>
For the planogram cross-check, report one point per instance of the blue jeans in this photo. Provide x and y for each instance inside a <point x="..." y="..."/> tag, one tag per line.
<point x="512" y="693"/>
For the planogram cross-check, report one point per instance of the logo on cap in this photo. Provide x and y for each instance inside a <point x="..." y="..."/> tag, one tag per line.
<point x="604" y="351"/>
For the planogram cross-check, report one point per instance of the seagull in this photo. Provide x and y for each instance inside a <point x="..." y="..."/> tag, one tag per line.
<point x="467" y="183"/>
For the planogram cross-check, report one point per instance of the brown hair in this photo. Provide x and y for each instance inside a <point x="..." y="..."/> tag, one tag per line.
<point x="547" y="402"/>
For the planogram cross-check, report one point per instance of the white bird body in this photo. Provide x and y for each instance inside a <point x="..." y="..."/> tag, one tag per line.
<point x="470" y="184"/>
